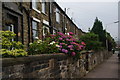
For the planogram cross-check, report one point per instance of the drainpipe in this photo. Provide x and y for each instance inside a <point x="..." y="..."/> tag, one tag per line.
<point x="28" y="27"/>
<point x="50" y="22"/>
<point x="28" y="18"/>
<point x="65" y="21"/>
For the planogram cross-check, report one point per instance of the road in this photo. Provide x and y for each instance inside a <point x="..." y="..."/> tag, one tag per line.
<point x="110" y="68"/>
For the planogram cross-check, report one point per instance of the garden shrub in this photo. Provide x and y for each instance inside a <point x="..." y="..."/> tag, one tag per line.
<point x="42" y="47"/>
<point x="11" y="48"/>
<point x="13" y="53"/>
<point x="60" y="42"/>
<point x="92" y="41"/>
<point x="68" y="44"/>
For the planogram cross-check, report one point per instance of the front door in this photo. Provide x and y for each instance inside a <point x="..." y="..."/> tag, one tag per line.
<point x="11" y="24"/>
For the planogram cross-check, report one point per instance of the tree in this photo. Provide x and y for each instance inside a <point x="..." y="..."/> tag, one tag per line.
<point x="98" y="29"/>
<point x="92" y="41"/>
<point x="111" y="42"/>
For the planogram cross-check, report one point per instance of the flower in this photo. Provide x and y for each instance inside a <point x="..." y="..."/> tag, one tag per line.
<point x="73" y="39"/>
<point x="83" y="43"/>
<point x="57" y="46"/>
<point x="70" y="46"/>
<point x="73" y="53"/>
<point x="69" y="36"/>
<point x="60" y="33"/>
<point x="30" y="43"/>
<point x="39" y="41"/>
<point x="60" y="46"/>
<point x="52" y="35"/>
<point x="71" y="49"/>
<point x="53" y="42"/>
<point x="63" y="50"/>
<point x="60" y="38"/>
<point x="63" y="36"/>
<point x="66" y="51"/>
<point x="68" y="40"/>
<point x="72" y="43"/>
<point x="71" y="33"/>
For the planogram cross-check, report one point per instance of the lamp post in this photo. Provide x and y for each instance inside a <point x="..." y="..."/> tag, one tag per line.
<point x="106" y="32"/>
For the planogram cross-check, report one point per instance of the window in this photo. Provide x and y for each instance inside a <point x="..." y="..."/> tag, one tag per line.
<point x="43" y="6"/>
<point x="34" y="30"/>
<point x="57" y="16"/>
<point x="34" y="4"/>
<point x="54" y="31"/>
<point x="46" y="30"/>
<point x="11" y="28"/>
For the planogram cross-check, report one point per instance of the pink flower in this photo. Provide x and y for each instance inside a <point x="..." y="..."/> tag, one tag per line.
<point x="68" y="40"/>
<point x="60" y="38"/>
<point x="71" y="33"/>
<point x="63" y="50"/>
<point x="60" y="46"/>
<point x="73" y="39"/>
<point x="60" y="33"/>
<point x="70" y="46"/>
<point x="71" y="49"/>
<point x="83" y="43"/>
<point x="66" y="51"/>
<point x="69" y="36"/>
<point x="63" y="36"/>
<point x="72" y="43"/>
<point x="73" y="53"/>
<point x="80" y="47"/>
<point x="52" y="35"/>
<point x="62" y="43"/>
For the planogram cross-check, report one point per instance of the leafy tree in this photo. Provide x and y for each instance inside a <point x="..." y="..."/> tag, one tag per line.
<point x="98" y="29"/>
<point x="92" y="41"/>
<point x="111" y="42"/>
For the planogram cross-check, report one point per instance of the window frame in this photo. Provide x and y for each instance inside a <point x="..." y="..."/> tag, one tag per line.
<point x="35" y="8"/>
<point x="48" y="28"/>
<point x="57" y="15"/>
<point x="36" y="30"/>
<point x="43" y="6"/>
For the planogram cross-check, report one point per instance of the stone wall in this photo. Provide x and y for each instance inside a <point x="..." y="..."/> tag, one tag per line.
<point x="50" y="66"/>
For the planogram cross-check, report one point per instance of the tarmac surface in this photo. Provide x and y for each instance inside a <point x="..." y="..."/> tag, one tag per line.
<point x="110" y="68"/>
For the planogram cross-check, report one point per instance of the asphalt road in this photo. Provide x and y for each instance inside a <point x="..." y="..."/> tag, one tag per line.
<point x="108" y="69"/>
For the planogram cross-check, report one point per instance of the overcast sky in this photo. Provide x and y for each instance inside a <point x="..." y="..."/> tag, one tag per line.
<point x="85" y="12"/>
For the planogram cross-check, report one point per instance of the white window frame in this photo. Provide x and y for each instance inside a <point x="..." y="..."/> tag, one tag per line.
<point x="34" y="2"/>
<point x="35" y="20"/>
<point x="46" y="22"/>
<point x="54" y="31"/>
<point x="45" y="26"/>
<point x="11" y="26"/>
<point x="43" y="6"/>
<point x="57" y="15"/>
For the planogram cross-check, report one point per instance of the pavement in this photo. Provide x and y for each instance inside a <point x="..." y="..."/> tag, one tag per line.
<point x="110" y="68"/>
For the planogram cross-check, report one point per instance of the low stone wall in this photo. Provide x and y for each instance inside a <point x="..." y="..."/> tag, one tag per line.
<point x="96" y="58"/>
<point x="50" y="66"/>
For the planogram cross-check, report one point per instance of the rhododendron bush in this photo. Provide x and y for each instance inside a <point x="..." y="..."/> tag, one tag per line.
<point x="68" y="44"/>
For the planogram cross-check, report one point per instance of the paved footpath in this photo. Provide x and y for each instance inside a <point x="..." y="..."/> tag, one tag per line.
<point x="108" y="69"/>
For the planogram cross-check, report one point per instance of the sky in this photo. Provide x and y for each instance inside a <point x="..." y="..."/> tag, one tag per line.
<point x="84" y="12"/>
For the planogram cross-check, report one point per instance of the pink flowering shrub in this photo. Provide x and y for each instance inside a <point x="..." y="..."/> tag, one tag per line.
<point x="68" y="44"/>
